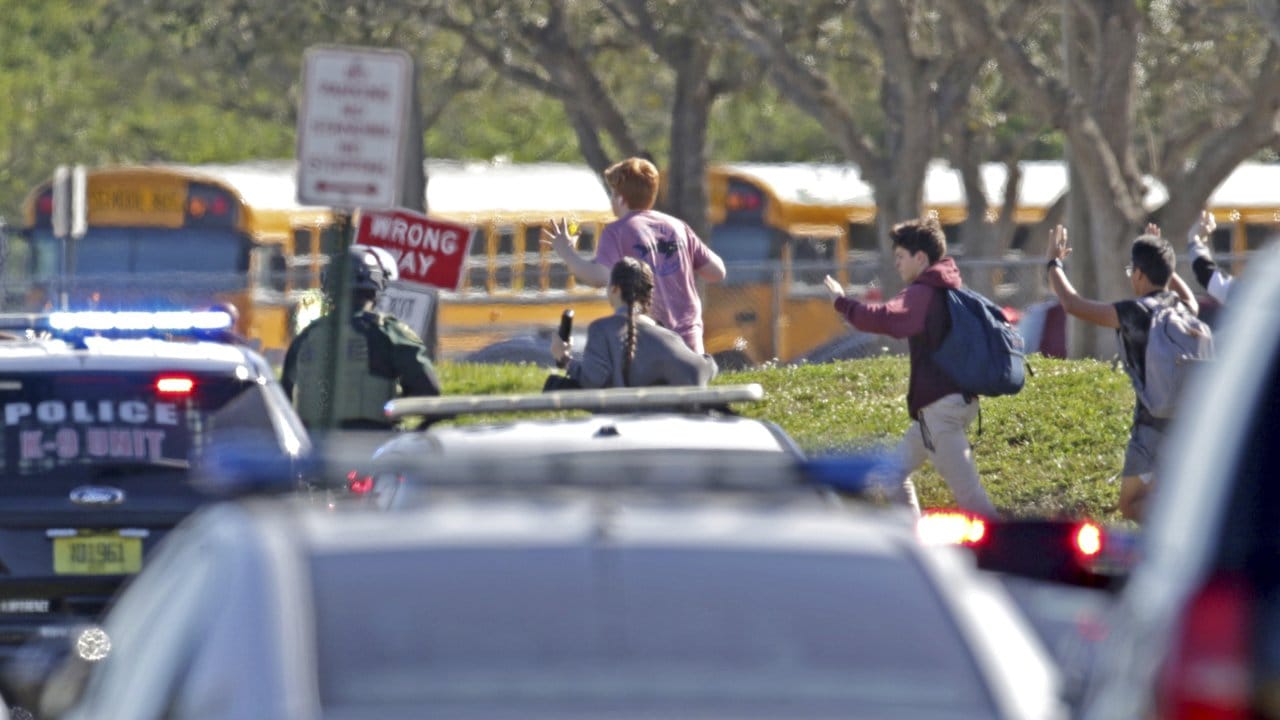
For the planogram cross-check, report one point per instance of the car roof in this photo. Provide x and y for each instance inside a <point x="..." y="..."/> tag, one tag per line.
<point x="663" y="426"/>
<point x="598" y="433"/>
<point x="577" y="518"/>
<point x="616" y="400"/>
<point x="302" y="535"/>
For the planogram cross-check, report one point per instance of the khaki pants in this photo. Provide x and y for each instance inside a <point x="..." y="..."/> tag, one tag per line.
<point x="945" y="422"/>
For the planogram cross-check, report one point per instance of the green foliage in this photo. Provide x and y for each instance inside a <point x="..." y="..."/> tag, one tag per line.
<point x="759" y="126"/>
<point x="503" y="120"/>
<point x="1052" y="450"/>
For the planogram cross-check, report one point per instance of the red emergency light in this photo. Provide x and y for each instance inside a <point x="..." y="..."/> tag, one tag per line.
<point x="175" y="385"/>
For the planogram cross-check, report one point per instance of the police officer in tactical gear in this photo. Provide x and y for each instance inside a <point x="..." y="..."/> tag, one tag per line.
<point x="381" y="352"/>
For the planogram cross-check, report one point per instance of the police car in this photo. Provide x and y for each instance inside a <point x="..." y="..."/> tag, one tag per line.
<point x="509" y="595"/>
<point x="663" y="434"/>
<point x="107" y="419"/>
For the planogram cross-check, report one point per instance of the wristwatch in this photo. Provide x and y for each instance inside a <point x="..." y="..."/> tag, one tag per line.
<point x="1054" y="263"/>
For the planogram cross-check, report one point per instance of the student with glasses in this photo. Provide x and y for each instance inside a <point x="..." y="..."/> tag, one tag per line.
<point x="1155" y="284"/>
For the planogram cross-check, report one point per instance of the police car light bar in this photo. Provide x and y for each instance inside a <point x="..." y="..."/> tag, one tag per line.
<point x="166" y="320"/>
<point x="607" y="400"/>
<point x="102" y="321"/>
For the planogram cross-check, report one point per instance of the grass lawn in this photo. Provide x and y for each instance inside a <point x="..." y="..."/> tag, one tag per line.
<point x="1052" y="450"/>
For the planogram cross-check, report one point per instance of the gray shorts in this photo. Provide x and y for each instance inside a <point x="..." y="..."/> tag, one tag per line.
<point x="1140" y="455"/>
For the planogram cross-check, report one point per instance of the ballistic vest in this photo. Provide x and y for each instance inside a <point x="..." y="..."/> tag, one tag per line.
<point x="360" y="393"/>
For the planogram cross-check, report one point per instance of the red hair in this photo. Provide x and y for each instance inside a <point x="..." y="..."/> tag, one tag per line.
<point x="636" y="180"/>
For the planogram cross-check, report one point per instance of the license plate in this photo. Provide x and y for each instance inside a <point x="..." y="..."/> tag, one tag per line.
<point x="97" y="554"/>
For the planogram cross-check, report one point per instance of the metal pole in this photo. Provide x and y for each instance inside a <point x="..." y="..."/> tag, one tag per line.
<point x="61" y="221"/>
<point x="781" y="277"/>
<point x="339" y="268"/>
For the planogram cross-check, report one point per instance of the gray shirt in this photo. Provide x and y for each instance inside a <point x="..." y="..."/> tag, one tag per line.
<point x="662" y="358"/>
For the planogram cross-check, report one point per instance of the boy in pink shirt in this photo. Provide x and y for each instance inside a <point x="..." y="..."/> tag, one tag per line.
<point x="677" y="256"/>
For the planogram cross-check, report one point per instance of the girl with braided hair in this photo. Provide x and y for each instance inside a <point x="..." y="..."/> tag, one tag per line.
<point x="629" y="348"/>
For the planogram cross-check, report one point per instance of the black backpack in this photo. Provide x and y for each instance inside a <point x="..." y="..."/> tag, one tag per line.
<point x="982" y="353"/>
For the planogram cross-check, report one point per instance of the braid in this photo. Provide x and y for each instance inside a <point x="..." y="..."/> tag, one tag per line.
<point x="629" y="350"/>
<point x="634" y="281"/>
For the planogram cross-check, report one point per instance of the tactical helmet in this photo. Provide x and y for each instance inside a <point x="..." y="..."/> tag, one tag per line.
<point x="371" y="268"/>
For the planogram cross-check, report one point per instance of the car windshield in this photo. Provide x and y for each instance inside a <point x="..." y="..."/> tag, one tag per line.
<point x="555" y="631"/>
<point x="98" y="423"/>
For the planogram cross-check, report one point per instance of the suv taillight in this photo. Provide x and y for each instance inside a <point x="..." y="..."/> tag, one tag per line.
<point x="1207" y="673"/>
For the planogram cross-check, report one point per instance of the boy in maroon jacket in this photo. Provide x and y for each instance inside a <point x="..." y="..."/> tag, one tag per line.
<point x="940" y="412"/>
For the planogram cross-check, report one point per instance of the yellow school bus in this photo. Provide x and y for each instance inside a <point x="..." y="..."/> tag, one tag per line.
<point x="512" y="284"/>
<point x="781" y="227"/>
<point x="178" y="236"/>
<point x="1246" y="207"/>
<point x="190" y="235"/>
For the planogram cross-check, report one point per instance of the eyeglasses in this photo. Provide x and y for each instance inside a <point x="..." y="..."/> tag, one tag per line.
<point x="1128" y="270"/>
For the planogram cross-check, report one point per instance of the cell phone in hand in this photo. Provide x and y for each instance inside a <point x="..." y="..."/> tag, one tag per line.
<point x="566" y="325"/>
<point x="566" y="328"/>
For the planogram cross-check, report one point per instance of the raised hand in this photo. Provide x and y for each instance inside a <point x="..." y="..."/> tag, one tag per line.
<point x="833" y="287"/>
<point x="559" y="236"/>
<point x="1203" y="228"/>
<point x="1059" y="247"/>
<point x="1199" y="234"/>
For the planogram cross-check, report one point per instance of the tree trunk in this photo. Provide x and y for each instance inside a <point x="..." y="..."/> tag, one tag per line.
<point x="899" y="194"/>
<point x="1101" y="271"/>
<point x="977" y="235"/>
<point x="690" y="115"/>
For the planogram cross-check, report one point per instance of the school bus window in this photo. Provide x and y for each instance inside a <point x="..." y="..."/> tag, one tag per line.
<point x="1222" y="238"/>
<point x="1258" y="235"/>
<point x="953" y="235"/>
<point x="1021" y="234"/>
<point x="862" y="236"/>
<point x="558" y="275"/>
<point x="863" y="267"/>
<point x="272" y="268"/>
<point x="502" y="271"/>
<point x="747" y="248"/>
<point x="811" y="258"/>
<point x="531" y="266"/>
<point x="303" y="241"/>
<point x="110" y="252"/>
<point x="477" y="273"/>
<point x="587" y="239"/>
<point x="331" y="241"/>
<point x="506" y="241"/>
<point x="206" y="250"/>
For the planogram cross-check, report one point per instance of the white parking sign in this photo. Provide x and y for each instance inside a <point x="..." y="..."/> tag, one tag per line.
<point x="351" y="126"/>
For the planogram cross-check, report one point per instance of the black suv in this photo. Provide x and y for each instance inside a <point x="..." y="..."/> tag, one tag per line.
<point x="104" y="433"/>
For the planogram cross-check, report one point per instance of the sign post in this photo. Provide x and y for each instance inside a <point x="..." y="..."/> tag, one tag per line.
<point x="351" y="148"/>
<point x="70" y="222"/>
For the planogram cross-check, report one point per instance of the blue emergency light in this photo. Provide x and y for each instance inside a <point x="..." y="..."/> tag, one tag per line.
<point x="174" y="321"/>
